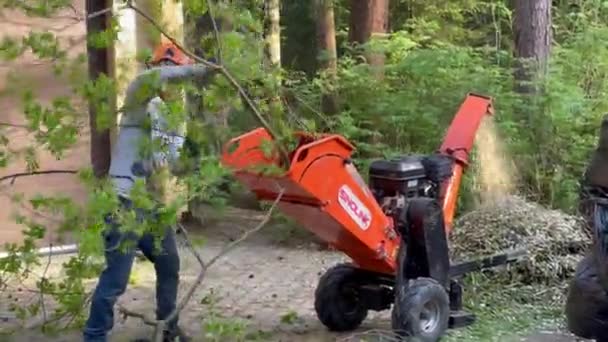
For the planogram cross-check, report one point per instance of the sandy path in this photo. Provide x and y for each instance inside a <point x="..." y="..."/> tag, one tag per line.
<point x="28" y="73"/>
<point x="267" y="283"/>
<point x="264" y="282"/>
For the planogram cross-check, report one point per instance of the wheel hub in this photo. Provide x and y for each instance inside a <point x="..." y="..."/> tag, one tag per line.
<point x="350" y="300"/>
<point x="429" y="317"/>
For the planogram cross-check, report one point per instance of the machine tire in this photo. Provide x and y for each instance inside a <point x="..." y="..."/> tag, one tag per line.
<point x="336" y="302"/>
<point x="415" y="298"/>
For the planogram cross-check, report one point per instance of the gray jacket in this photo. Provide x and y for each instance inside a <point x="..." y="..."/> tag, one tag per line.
<point x="142" y="103"/>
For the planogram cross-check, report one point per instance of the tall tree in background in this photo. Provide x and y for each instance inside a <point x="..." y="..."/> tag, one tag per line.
<point x="272" y="54"/>
<point x="532" y="37"/>
<point x="368" y="18"/>
<point x="272" y="32"/>
<point x="99" y="64"/>
<point x="326" y="46"/>
<point x="532" y="43"/>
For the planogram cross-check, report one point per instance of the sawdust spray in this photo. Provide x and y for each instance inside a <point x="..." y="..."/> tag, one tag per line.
<point x="494" y="171"/>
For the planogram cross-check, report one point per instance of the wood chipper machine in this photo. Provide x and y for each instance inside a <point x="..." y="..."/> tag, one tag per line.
<point x="395" y="228"/>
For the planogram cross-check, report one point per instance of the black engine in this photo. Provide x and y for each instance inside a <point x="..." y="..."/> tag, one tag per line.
<point x="394" y="181"/>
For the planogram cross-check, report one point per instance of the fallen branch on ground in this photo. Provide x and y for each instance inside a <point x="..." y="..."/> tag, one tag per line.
<point x="159" y="325"/>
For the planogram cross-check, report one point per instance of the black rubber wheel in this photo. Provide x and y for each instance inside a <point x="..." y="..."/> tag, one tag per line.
<point x="421" y="310"/>
<point x="337" y="301"/>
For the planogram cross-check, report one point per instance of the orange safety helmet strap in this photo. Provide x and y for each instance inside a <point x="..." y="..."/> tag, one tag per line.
<point x="167" y="51"/>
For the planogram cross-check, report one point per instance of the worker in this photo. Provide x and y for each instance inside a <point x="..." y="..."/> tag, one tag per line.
<point x="587" y="301"/>
<point x="128" y="166"/>
<point x="593" y="202"/>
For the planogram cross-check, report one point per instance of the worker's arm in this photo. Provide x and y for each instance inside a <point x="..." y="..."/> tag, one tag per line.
<point x="148" y="83"/>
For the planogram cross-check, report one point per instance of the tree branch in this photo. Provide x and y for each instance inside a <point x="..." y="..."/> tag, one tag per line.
<point x="14" y="176"/>
<point x="216" y="31"/>
<point x="160" y="324"/>
<point x="197" y="255"/>
<point x="126" y="312"/>
<point x="77" y="15"/>
<point x="101" y="12"/>
<point x="221" y="69"/>
<point x="12" y="125"/>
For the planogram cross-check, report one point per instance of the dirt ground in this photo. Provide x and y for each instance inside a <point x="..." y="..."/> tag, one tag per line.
<point x="267" y="284"/>
<point x="28" y="73"/>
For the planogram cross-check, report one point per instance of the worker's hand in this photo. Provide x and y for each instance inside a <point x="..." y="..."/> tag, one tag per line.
<point x="141" y="169"/>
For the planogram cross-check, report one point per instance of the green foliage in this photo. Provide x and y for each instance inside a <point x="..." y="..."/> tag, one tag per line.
<point x="432" y="65"/>
<point x="437" y="52"/>
<point x="507" y="314"/>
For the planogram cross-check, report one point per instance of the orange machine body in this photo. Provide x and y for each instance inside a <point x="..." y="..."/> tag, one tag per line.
<point x="458" y="143"/>
<point x="323" y="191"/>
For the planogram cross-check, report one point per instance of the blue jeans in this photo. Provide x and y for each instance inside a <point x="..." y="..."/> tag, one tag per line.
<point x="113" y="280"/>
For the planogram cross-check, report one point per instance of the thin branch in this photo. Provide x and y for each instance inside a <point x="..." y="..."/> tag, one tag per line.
<point x="197" y="255"/>
<point x="74" y="10"/>
<point x="308" y="106"/>
<point x="214" y="66"/>
<point x="43" y="278"/>
<point x="160" y="324"/>
<point x="8" y="124"/>
<point x="58" y="316"/>
<point x="293" y="115"/>
<point x="14" y="176"/>
<point x="216" y="31"/>
<point x="102" y="12"/>
<point x="125" y="312"/>
<point x="76" y="14"/>
<point x="205" y="267"/>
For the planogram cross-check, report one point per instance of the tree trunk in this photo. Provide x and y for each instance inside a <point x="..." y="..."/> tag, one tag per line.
<point x="196" y="26"/>
<point x="532" y="40"/>
<point x="368" y="18"/>
<point x="272" y="32"/>
<point x="326" y="46"/>
<point x="272" y="56"/>
<point x="326" y="35"/>
<point x="532" y="33"/>
<point x="99" y="63"/>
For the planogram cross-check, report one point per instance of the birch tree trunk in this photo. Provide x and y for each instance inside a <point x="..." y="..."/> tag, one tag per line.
<point x="272" y="54"/>
<point x="272" y="32"/>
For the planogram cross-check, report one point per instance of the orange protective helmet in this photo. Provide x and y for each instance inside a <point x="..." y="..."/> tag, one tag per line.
<point x="167" y="51"/>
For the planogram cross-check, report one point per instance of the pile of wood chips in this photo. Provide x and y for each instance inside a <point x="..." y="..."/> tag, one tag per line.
<point x="555" y="241"/>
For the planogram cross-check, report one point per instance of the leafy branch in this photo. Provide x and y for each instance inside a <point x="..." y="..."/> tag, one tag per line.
<point x="76" y="265"/>
<point x="216" y="31"/>
<point x="219" y="68"/>
<point x="159" y="325"/>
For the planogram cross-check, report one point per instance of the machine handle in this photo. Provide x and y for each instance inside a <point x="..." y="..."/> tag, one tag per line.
<point x="317" y="147"/>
